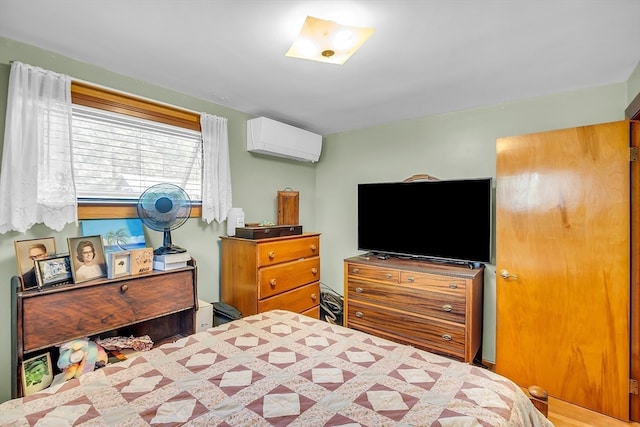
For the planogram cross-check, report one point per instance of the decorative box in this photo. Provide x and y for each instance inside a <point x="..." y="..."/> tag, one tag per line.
<point x="263" y="232"/>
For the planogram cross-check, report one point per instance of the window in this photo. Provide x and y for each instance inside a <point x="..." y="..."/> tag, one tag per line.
<point x="117" y="157"/>
<point x="124" y="144"/>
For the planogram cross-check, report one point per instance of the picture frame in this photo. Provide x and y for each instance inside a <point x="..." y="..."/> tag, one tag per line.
<point x="88" y="261"/>
<point x="27" y="252"/>
<point x="53" y="271"/>
<point x="118" y="264"/>
<point x="123" y="234"/>
<point x="36" y="373"/>
<point x="141" y="261"/>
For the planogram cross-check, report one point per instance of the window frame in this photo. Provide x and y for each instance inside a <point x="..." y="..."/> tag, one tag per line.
<point x="110" y="100"/>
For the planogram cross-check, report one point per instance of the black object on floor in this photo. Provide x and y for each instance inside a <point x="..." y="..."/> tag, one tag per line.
<point x="224" y="313"/>
<point x="331" y="305"/>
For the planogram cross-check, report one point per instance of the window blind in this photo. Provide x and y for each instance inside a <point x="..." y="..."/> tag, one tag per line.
<point x="116" y="157"/>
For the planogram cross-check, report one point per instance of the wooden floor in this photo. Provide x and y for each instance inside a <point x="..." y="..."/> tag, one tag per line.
<point x="563" y="414"/>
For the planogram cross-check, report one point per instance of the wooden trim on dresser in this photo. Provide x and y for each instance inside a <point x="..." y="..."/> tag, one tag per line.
<point x="421" y="177"/>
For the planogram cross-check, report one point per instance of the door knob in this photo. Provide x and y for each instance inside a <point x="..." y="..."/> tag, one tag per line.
<point x="506" y="275"/>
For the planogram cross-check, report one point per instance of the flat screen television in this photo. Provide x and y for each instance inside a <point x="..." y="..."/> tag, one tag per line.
<point x="447" y="220"/>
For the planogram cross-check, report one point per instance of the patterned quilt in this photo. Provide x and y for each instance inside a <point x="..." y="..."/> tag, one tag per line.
<point x="280" y="369"/>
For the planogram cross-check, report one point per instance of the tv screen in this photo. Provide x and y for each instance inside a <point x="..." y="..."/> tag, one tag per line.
<point x="441" y="220"/>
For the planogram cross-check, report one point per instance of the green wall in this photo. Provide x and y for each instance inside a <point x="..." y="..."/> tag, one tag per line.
<point x="256" y="181"/>
<point x="455" y="145"/>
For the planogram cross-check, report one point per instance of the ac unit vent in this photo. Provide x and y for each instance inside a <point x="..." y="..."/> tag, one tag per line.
<point x="267" y="136"/>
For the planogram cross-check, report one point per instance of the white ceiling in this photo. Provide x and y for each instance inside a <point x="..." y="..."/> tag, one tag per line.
<point x="426" y="56"/>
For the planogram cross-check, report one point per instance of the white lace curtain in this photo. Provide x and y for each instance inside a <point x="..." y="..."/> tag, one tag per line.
<point x="36" y="176"/>
<point x="216" y="180"/>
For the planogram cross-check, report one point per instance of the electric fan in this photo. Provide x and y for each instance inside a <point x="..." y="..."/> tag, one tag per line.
<point x="164" y="207"/>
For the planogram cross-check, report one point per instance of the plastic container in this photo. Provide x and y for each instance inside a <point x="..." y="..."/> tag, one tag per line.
<point x="235" y="218"/>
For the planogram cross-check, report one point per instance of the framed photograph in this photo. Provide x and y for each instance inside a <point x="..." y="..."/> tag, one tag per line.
<point x="117" y="234"/>
<point x="141" y="261"/>
<point x="27" y="252"/>
<point x="55" y="270"/>
<point x="118" y="264"/>
<point x="37" y="373"/>
<point x="87" y="258"/>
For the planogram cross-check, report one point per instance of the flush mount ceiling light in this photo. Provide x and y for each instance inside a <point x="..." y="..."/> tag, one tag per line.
<point x="327" y="41"/>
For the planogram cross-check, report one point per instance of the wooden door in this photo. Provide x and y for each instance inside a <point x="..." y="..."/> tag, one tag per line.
<point x="563" y="247"/>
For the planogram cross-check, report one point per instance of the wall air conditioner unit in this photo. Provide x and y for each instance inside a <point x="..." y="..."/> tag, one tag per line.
<point x="266" y="136"/>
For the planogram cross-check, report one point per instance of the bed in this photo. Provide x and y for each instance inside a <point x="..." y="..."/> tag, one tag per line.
<point x="280" y="368"/>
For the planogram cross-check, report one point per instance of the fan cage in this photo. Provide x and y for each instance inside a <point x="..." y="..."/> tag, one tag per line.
<point x="164" y="207"/>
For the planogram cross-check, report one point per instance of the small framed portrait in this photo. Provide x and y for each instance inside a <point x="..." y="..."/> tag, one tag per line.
<point x="55" y="270"/>
<point x="118" y="264"/>
<point x="37" y="373"/>
<point x="87" y="258"/>
<point x="27" y="252"/>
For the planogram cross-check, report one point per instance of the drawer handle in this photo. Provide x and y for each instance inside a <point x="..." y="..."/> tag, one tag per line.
<point x="359" y="290"/>
<point x="356" y="270"/>
<point x="447" y="337"/>
<point x="447" y="307"/>
<point x="411" y="279"/>
<point x="453" y="285"/>
<point x="313" y="248"/>
<point x="388" y="275"/>
<point x="272" y="255"/>
<point x="124" y="288"/>
<point x="314" y="296"/>
<point x="272" y="282"/>
<point x="314" y="271"/>
<point x="359" y="314"/>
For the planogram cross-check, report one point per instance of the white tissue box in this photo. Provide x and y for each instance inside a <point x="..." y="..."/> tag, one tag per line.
<point x="204" y="316"/>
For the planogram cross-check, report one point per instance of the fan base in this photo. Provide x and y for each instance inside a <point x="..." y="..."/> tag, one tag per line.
<point x="165" y="250"/>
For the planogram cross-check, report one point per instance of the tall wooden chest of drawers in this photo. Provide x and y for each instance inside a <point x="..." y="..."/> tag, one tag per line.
<point x="264" y="274"/>
<point x="435" y="307"/>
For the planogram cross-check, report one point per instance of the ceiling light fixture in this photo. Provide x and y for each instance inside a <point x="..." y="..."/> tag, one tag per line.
<point x="327" y="41"/>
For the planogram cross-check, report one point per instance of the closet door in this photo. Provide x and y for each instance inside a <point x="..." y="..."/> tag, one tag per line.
<point x="563" y="264"/>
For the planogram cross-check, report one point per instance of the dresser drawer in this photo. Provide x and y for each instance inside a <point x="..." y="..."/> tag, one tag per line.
<point x="253" y="272"/>
<point x="373" y="273"/>
<point x="297" y="300"/>
<point x="275" y="252"/>
<point x="433" y="306"/>
<point x="89" y="310"/>
<point x="401" y="326"/>
<point x="312" y="312"/>
<point x="442" y="283"/>
<point x="412" y="298"/>
<point x="286" y="276"/>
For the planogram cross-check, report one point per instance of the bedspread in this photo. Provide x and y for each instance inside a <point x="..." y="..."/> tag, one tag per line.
<point x="283" y="369"/>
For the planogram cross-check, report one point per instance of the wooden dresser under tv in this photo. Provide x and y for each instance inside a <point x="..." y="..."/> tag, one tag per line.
<point x="433" y="306"/>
